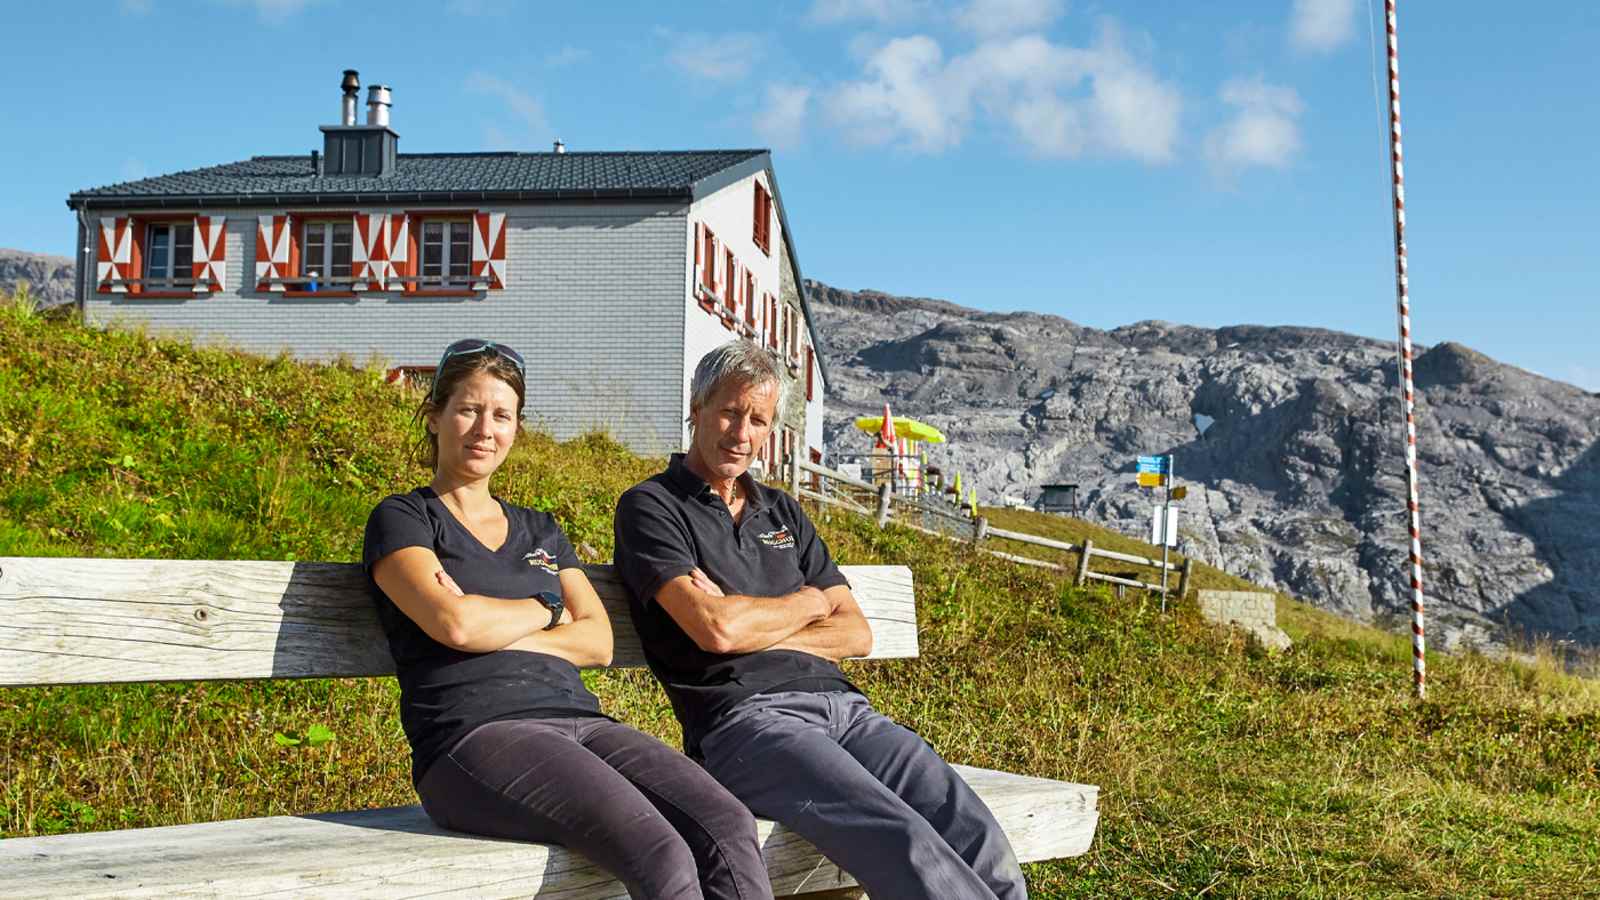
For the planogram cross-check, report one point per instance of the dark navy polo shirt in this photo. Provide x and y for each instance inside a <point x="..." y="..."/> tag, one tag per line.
<point x="673" y="522"/>
<point x="444" y="692"/>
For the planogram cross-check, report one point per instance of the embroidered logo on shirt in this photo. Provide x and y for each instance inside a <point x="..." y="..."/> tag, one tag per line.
<point x="777" y="540"/>
<point x="542" y="559"/>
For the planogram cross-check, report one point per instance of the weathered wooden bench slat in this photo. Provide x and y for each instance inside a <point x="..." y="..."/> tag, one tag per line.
<point x="398" y="852"/>
<point x="71" y="621"/>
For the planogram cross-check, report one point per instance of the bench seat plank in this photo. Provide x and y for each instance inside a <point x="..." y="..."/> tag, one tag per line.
<point x="398" y="852"/>
<point x="74" y="621"/>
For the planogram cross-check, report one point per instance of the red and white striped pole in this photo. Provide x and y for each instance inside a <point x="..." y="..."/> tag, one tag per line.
<point x="1397" y="168"/>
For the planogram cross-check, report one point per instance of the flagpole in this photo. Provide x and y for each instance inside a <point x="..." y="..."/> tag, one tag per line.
<point x="1402" y="290"/>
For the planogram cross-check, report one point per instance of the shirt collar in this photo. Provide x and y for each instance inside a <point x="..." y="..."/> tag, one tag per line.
<point x="697" y="487"/>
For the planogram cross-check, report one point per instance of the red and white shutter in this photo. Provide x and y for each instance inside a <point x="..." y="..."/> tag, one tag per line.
<point x="210" y="264"/>
<point x="272" y="251"/>
<point x="699" y="262"/>
<point x="399" y="250"/>
<point x="369" y="251"/>
<point x="489" y="251"/>
<point x="114" y="258"/>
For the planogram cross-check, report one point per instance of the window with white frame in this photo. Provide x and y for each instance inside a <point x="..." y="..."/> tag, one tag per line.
<point x="325" y="249"/>
<point x="446" y="253"/>
<point x="169" y="254"/>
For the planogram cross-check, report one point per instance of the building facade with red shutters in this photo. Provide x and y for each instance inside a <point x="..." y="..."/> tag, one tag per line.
<point x="611" y="272"/>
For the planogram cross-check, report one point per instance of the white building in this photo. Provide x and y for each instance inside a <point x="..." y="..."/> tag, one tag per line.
<point x="612" y="273"/>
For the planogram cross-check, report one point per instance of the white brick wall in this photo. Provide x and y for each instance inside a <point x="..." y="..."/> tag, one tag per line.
<point x="593" y="300"/>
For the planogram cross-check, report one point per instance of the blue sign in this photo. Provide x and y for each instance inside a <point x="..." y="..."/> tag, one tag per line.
<point x="1159" y="465"/>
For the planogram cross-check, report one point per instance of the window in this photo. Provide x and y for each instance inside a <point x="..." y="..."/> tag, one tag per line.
<point x="169" y="255"/>
<point x="810" y="364"/>
<point x="772" y="321"/>
<point x="728" y="283"/>
<point x="749" y="298"/>
<point x="446" y="253"/>
<point x="763" y="219"/>
<point x="325" y="251"/>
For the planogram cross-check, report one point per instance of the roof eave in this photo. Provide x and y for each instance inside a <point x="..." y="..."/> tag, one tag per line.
<point x="90" y="200"/>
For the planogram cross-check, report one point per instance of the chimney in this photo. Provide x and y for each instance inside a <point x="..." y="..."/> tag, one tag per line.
<point x="560" y="147"/>
<point x="351" y="85"/>
<point x="378" y="105"/>
<point x="350" y="148"/>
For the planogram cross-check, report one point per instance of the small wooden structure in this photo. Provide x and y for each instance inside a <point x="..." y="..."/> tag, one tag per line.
<point x="69" y="621"/>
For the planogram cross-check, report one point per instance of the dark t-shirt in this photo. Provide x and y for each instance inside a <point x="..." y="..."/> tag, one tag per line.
<point x="673" y="522"/>
<point x="445" y="693"/>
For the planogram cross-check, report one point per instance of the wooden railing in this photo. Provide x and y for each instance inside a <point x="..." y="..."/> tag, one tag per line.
<point x="835" y="488"/>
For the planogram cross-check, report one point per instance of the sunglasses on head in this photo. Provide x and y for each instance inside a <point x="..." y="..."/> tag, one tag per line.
<point x="472" y="346"/>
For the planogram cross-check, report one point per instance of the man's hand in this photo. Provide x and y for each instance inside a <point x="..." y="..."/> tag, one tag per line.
<point x="703" y="583"/>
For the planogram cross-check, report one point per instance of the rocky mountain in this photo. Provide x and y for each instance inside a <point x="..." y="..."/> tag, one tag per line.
<point x="1297" y="481"/>
<point x="49" y="277"/>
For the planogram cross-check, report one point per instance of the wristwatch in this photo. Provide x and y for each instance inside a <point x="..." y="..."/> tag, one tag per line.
<point x="552" y="601"/>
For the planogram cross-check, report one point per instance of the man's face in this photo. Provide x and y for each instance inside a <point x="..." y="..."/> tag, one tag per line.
<point x="732" y="427"/>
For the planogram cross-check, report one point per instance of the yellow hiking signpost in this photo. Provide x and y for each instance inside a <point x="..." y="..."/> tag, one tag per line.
<point x="1156" y="471"/>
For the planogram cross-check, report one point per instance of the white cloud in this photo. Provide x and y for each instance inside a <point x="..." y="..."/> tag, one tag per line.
<point x="782" y="120"/>
<point x="1058" y="100"/>
<point x="884" y="11"/>
<point x="566" y="56"/>
<point x="1321" y="26"/>
<point x="994" y="17"/>
<point x="717" y="57"/>
<point x="521" y="105"/>
<point x="908" y="95"/>
<point x="1264" y="131"/>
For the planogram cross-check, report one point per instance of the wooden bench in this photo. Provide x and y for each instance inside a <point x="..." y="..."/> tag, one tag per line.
<point x="71" y="621"/>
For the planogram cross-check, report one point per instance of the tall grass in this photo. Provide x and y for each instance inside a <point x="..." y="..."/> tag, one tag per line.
<point x="1223" y="769"/>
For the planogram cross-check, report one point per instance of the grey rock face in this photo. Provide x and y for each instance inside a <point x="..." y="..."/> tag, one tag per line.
<point x="1298" y="483"/>
<point x="49" y="277"/>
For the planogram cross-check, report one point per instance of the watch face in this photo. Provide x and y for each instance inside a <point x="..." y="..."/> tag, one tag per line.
<point x="550" y="599"/>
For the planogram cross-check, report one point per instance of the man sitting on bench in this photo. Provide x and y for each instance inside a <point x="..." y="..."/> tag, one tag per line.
<point x="744" y="616"/>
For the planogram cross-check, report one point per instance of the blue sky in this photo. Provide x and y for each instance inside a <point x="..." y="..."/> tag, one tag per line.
<point x="1202" y="163"/>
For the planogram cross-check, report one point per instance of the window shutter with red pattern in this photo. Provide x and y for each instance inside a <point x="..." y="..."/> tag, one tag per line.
<point x="114" y="256"/>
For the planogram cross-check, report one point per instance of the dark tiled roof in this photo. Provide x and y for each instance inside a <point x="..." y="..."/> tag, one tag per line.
<point x="660" y="173"/>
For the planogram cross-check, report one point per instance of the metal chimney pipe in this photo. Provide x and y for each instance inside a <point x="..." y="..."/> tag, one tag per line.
<point x="378" y="103"/>
<point x="351" y="85"/>
<point x="560" y="147"/>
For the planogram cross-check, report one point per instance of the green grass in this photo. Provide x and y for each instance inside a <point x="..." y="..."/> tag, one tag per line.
<point x="1223" y="770"/>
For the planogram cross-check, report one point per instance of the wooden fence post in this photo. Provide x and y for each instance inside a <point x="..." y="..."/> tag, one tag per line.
<point x="794" y="475"/>
<point x="883" y="504"/>
<point x="1183" y="579"/>
<point x="980" y="530"/>
<point x="1083" y="563"/>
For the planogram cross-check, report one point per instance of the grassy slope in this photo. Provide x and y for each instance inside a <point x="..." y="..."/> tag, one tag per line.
<point x="1221" y="768"/>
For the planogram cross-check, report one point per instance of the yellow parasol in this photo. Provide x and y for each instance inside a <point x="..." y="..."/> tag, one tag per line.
<point x="903" y="427"/>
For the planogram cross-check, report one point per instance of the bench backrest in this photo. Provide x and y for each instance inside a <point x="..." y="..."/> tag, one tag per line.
<point x="70" y="621"/>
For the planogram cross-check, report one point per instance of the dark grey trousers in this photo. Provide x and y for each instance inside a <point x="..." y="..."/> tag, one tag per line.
<point x="869" y="793"/>
<point x="639" y="809"/>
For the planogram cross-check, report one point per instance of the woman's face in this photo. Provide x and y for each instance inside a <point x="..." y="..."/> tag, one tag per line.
<point x="476" y="427"/>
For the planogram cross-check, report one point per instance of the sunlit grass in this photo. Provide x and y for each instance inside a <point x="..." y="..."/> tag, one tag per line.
<point x="1223" y="769"/>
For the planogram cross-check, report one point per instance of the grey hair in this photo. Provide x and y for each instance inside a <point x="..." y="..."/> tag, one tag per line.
<point x="739" y="361"/>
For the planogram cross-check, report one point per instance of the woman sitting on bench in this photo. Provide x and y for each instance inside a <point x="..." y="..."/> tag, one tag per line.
<point x="489" y="616"/>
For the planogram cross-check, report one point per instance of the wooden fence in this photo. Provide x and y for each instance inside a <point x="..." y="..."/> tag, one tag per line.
<point x="835" y="488"/>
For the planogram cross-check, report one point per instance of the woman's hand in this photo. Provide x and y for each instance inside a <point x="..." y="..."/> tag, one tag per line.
<point x="449" y="583"/>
